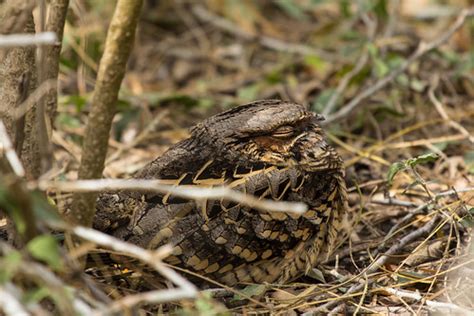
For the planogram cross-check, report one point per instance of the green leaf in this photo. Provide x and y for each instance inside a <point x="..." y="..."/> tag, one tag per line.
<point x="468" y="219"/>
<point x="66" y="119"/>
<point x="45" y="248"/>
<point x="414" y="277"/>
<point x="78" y="101"/>
<point x="418" y="85"/>
<point x="380" y="8"/>
<point x="345" y="8"/>
<point x="206" y="305"/>
<point x="206" y="103"/>
<point x="36" y="295"/>
<point x="373" y="51"/>
<point x="316" y="62"/>
<point x="249" y="93"/>
<point x="409" y="163"/>
<point x="403" y="80"/>
<point x="274" y="77"/>
<point x="9" y="205"/>
<point x="469" y="160"/>
<point x="292" y="8"/>
<point x="321" y="100"/>
<point x="381" y="68"/>
<point x="423" y="159"/>
<point x="8" y="266"/>
<point x="393" y="170"/>
<point x="317" y="275"/>
<point x="251" y="290"/>
<point x="44" y="210"/>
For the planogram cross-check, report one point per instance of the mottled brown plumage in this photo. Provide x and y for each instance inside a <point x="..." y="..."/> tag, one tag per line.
<point x="272" y="149"/>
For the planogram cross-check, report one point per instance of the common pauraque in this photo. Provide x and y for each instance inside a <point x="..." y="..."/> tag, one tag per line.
<point x="271" y="149"/>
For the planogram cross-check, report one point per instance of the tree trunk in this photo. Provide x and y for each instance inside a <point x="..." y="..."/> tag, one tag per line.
<point x="118" y="46"/>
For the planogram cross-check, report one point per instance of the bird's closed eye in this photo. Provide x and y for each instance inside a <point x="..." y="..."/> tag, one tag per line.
<point x="284" y="131"/>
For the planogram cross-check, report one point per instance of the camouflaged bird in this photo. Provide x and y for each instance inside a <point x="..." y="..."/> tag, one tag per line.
<point x="272" y="149"/>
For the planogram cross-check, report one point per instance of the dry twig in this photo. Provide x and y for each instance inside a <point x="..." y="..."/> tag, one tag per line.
<point x="446" y="307"/>
<point x="9" y="302"/>
<point x="377" y="264"/>
<point x="151" y="257"/>
<point x="10" y="153"/>
<point x="21" y="40"/>
<point x="185" y="191"/>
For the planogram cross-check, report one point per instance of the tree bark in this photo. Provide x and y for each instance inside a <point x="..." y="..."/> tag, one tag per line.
<point x="18" y="80"/>
<point x="48" y="68"/>
<point x="55" y="23"/>
<point x="118" y="45"/>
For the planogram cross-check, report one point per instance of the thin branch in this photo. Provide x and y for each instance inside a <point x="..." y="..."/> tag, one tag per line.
<point x="421" y="208"/>
<point x="10" y="153"/>
<point x="422" y="49"/>
<point x="56" y="286"/>
<point x="151" y="257"/>
<point x="184" y="191"/>
<point x="21" y="40"/>
<point x="48" y="69"/>
<point x="140" y="137"/>
<point x="9" y="303"/>
<point x="379" y="263"/>
<point x="432" y="304"/>
<point x="391" y="201"/>
<point x="361" y="62"/>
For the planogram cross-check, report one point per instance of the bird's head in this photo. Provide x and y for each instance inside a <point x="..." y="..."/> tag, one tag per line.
<point x="272" y="132"/>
